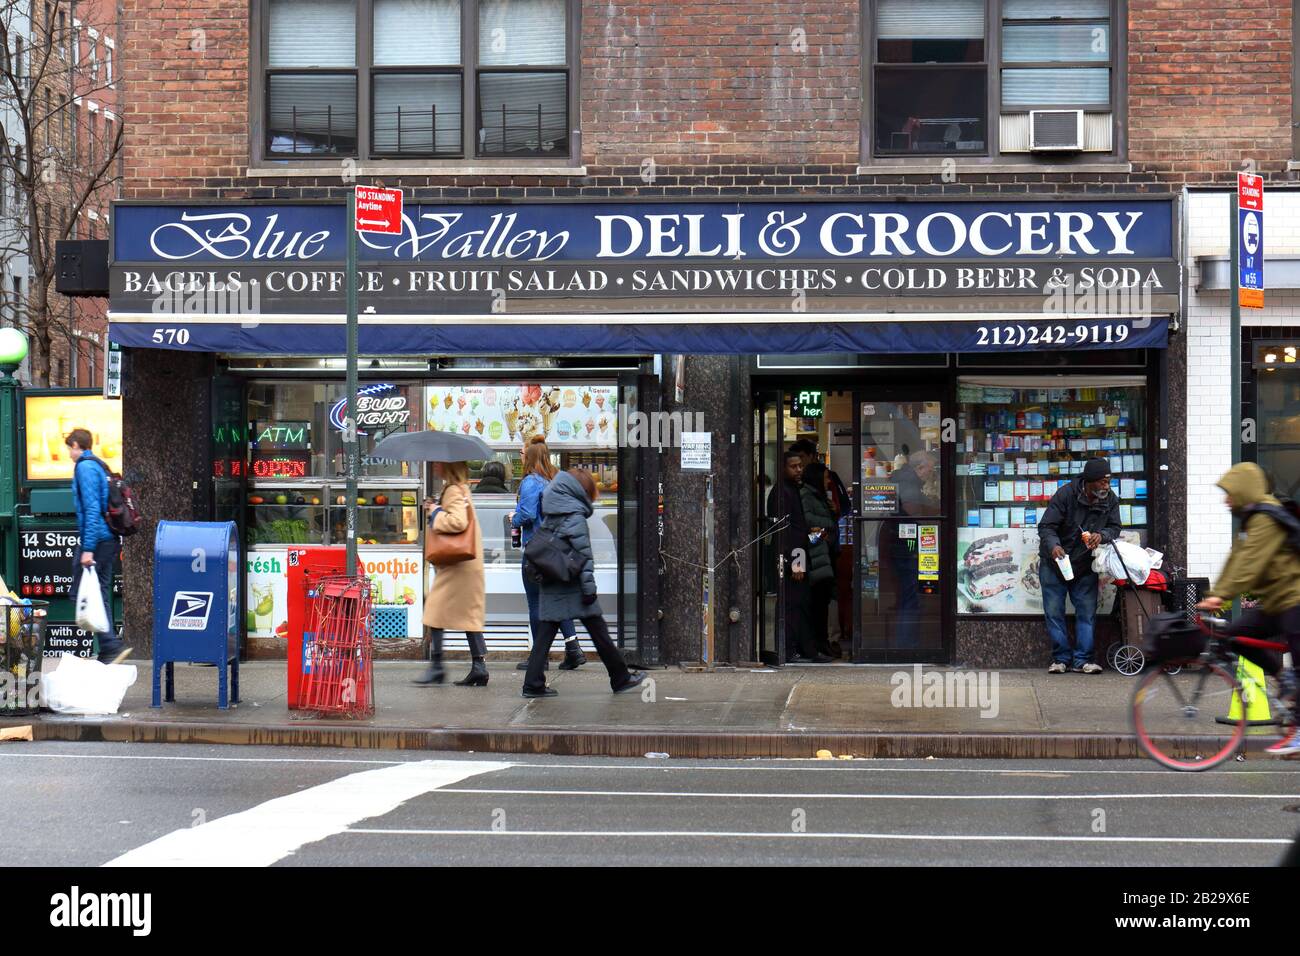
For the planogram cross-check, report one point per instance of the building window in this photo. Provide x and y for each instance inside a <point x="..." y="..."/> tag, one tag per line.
<point x="108" y="64"/>
<point x="934" y="82"/>
<point x="1018" y="443"/>
<point x="930" y="77"/>
<point x="436" y="79"/>
<point x="1055" y="53"/>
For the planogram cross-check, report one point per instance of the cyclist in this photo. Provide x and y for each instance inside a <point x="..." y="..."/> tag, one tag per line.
<point x="1262" y="564"/>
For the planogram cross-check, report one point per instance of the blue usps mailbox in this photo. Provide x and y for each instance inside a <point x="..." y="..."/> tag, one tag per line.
<point x="196" y="602"/>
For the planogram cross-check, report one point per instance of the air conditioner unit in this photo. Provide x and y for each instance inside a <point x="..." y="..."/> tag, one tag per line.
<point x="1055" y="130"/>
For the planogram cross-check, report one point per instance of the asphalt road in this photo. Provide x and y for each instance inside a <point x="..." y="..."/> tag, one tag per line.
<point x="92" y="804"/>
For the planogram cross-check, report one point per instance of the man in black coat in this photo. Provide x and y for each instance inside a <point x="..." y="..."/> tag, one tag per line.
<point x="793" y="542"/>
<point x="1081" y="516"/>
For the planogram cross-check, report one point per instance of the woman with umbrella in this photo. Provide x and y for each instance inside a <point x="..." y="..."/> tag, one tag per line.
<point x="457" y="601"/>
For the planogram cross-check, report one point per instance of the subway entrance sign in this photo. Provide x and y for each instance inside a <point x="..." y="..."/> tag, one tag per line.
<point x="1250" y="241"/>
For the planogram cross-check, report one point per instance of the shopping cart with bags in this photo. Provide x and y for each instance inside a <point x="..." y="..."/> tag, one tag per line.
<point x="1140" y="605"/>
<point x="338" y="678"/>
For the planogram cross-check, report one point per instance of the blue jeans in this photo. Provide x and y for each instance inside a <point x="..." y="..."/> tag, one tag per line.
<point x="533" y="591"/>
<point x="1083" y="594"/>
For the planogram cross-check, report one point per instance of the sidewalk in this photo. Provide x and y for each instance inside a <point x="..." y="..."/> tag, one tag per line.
<point x="793" y="712"/>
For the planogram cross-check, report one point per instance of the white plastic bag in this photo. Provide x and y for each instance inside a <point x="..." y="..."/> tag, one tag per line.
<point x="92" y="616"/>
<point x="79" y="686"/>
<point x="1136" y="560"/>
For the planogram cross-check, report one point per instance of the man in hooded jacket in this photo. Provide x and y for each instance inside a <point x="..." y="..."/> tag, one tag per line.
<point x="1263" y="565"/>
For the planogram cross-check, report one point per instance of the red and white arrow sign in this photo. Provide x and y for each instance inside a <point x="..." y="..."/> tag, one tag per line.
<point x="379" y="210"/>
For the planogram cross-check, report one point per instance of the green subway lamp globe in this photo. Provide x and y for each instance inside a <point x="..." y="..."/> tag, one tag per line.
<point x="13" y="347"/>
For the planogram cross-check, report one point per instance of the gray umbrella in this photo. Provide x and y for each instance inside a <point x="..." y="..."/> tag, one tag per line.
<point x="432" y="446"/>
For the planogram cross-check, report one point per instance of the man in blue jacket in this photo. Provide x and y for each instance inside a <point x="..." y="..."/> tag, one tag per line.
<point x="99" y="546"/>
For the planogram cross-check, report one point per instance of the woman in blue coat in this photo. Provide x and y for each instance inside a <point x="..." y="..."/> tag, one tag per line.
<point x="538" y="472"/>
<point x="566" y="506"/>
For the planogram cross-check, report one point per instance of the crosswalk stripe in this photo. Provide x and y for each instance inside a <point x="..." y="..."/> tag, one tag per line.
<point x="277" y="828"/>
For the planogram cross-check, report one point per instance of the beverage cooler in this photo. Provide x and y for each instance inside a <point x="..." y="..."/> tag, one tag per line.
<point x="283" y="516"/>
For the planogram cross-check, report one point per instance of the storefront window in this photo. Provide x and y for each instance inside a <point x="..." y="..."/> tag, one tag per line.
<point x="1278" y="413"/>
<point x="1018" y="441"/>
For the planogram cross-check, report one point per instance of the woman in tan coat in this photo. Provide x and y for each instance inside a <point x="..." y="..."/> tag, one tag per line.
<point x="457" y="600"/>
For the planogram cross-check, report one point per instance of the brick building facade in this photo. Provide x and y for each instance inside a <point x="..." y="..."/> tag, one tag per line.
<point x="719" y="100"/>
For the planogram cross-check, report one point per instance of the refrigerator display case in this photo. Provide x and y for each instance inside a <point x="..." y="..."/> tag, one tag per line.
<point x="315" y="513"/>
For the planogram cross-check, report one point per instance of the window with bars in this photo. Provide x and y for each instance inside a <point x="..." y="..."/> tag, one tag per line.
<point x="934" y="82"/>
<point x="417" y="78"/>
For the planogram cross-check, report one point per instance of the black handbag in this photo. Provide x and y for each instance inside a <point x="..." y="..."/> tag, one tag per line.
<point x="549" y="558"/>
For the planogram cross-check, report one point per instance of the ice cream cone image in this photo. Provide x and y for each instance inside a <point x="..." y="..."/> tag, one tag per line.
<point x="460" y="404"/>
<point x="591" y="426"/>
<point x="464" y="427"/>
<point x="511" y="417"/>
<point x="547" y="412"/>
<point x="446" y="401"/>
<point x="478" y="425"/>
<point x="604" y="424"/>
<point x="600" y="402"/>
<point x="586" y="398"/>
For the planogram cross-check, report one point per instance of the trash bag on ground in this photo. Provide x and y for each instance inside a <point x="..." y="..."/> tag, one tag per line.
<point x="80" y="686"/>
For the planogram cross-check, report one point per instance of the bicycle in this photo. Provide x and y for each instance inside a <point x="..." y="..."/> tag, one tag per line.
<point x="1181" y="707"/>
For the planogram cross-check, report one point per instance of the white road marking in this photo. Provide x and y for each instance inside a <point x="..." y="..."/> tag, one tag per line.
<point x="844" y="766"/>
<point x="873" y="796"/>
<point x="275" y="829"/>
<point x="66" y="756"/>
<point x="683" y="764"/>
<point x="782" y="835"/>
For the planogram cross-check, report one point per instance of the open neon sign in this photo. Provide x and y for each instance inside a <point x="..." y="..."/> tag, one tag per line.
<point x="279" y="467"/>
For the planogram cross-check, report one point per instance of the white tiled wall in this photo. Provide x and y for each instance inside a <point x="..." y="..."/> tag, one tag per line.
<point x="1209" y="399"/>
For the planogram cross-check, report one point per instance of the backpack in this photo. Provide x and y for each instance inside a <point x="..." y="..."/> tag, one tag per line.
<point x="1287" y="514"/>
<point x="549" y="558"/>
<point x="123" y="514"/>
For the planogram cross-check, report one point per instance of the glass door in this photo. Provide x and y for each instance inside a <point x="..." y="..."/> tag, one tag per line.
<point x="903" y="530"/>
<point x="770" y="563"/>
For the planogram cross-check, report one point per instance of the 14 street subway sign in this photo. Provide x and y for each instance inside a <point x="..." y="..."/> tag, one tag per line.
<point x="622" y="277"/>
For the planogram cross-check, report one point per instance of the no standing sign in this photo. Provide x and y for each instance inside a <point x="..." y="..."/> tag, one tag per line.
<point x="379" y="210"/>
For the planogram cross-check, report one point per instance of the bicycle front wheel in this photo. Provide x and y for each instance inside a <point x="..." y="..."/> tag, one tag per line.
<point x="1176" y="716"/>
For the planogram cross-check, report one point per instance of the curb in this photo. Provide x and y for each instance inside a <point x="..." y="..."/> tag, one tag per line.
<point x="617" y="743"/>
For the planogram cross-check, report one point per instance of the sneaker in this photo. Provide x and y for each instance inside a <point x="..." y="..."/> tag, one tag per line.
<point x="1288" y="745"/>
<point x="1088" y="668"/>
<point x="1058" y="667"/>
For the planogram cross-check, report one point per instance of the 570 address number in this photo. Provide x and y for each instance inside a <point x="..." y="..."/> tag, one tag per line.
<point x="1016" y="336"/>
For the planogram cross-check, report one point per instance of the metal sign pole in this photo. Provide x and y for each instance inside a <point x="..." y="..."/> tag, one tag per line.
<point x="350" y="412"/>
<point x="710" y="577"/>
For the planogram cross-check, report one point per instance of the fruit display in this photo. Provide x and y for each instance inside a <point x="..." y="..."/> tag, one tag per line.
<point x="381" y="499"/>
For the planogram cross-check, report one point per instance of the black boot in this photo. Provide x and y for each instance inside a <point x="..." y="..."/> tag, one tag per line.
<point x="433" y="674"/>
<point x="573" y="656"/>
<point x="477" y="676"/>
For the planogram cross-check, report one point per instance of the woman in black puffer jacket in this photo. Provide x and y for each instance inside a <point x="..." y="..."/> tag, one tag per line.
<point x="820" y="518"/>
<point x="566" y="506"/>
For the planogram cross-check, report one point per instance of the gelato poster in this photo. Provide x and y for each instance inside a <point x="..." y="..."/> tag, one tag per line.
<point x="997" y="573"/>
<point x="399" y="592"/>
<point x="505" y="416"/>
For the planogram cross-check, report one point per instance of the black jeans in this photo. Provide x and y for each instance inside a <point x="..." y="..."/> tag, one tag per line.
<point x="106" y="553"/>
<point x="477" y="646"/>
<point x="819" y="612"/>
<point x="535" y="678"/>
<point x="1255" y="623"/>
<point x="799" y="639"/>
